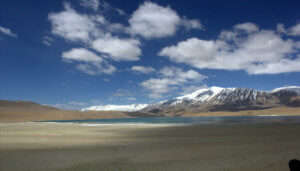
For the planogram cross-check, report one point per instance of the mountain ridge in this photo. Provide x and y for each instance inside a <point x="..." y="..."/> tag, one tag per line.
<point x="228" y="99"/>
<point x="215" y="99"/>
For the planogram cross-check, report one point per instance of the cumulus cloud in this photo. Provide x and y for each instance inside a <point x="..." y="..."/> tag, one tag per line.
<point x="118" y="49"/>
<point x="191" y="24"/>
<point x="73" y="26"/>
<point x="88" y="62"/>
<point x="96" y="68"/>
<point x="114" y="41"/>
<point x="102" y="6"/>
<point x="92" y="4"/>
<point x="81" y="54"/>
<point x="247" y="27"/>
<point x="169" y="79"/>
<point x="151" y="20"/>
<point x="295" y="30"/>
<point x="292" y="31"/>
<point x="280" y="28"/>
<point x="7" y="32"/>
<point x="190" y="89"/>
<point x="191" y="51"/>
<point x="257" y="52"/>
<point x="142" y="69"/>
<point x="96" y="32"/>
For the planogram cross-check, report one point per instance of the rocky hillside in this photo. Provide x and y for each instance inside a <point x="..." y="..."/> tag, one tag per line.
<point x="227" y="99"/>
<point x="20" y="111"/>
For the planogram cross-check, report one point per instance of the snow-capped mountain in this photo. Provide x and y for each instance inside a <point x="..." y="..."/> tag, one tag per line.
<point x="233" y="99"/>
<point x="123" y="108"/>
<point x="214" y="99"/>
<point x="288" y="88"/>
<point x="200" y="95"/>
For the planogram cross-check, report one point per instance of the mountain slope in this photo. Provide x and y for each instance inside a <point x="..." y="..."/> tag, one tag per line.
<point x="123" y="108"/>
<point x="20" y="111"/>
<point x="227" y="99"/>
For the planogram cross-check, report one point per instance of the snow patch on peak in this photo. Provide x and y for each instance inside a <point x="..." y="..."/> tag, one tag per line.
<point x="122" y="108"/>
<point x="293" y="88"/>
<point x="201" y="94"/>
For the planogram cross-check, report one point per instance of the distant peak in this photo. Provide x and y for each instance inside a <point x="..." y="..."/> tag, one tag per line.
<point x="202" y="94"/>
<point x="124" y="108"/>
<point x="285" y="88"/>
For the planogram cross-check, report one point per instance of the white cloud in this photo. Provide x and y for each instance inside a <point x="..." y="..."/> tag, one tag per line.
<point x="96" y="68"/>
<point x="292" y="31"/>
<point x="88" y="69"/>
<point x="7" y="32"/>
<point x="280" y="28"/>
<point x="142" y="69"/>
<point x="191" y="24"/>
<point x="228" y="35"/>
<point x="191" y="89"/>
<point x="81" y="54"/>
<point x="295" y="30"/>
<point x="120" y="12"/>
<point x="73" y="26"/>
<point x="47" y="40"/>
<point x="93" y="4"/>
<point x="102" y="6"/>
<point x="151" y="20"/>
<point x="124" y="108"/>
<point x="282" y="66"/>
<point x="118" y="49"/>
<point x="179" y="74"/>
<point x="93" y="31"/>
<point x="159" y="86"/>
<point x="247" y="27"/>
<point x="89" y="62"/>
<point x="191" y="51"/>
<point x="169" y="79"/>
<point x="116" y="27"/>
<point x="258" y="52"/>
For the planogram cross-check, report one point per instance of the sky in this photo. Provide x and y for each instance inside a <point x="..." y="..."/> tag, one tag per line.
<point x="79" y="53"/>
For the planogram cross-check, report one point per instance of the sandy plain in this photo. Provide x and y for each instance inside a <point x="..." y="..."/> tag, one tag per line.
<point x="75" y="147"/>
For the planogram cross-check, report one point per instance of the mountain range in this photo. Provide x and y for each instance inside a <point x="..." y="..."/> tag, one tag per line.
<point x="123" y="108"/>
<point x="214" y="99"/>
<point x="20" y="111"/>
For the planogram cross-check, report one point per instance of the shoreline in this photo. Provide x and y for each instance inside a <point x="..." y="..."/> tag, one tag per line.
<point x="183" y="116"/>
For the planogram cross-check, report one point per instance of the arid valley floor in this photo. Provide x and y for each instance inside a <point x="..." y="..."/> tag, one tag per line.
<point x="66" y="147"/>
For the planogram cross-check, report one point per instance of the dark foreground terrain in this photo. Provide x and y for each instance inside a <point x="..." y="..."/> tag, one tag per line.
<point x="66" y="147"/>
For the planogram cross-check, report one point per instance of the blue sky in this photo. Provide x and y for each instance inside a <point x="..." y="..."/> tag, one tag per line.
<point x="73" y="54"/>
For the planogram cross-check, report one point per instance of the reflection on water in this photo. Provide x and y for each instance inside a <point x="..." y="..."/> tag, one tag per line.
<point x="192" y="120"/>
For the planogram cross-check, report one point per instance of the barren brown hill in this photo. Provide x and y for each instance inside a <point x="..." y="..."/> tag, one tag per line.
<point x="21" y="111"/>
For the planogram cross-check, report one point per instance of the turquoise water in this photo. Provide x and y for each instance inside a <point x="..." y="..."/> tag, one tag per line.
<point x="190" y="120"/>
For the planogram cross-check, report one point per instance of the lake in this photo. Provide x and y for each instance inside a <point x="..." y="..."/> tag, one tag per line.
<point x="190" y="120"/>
